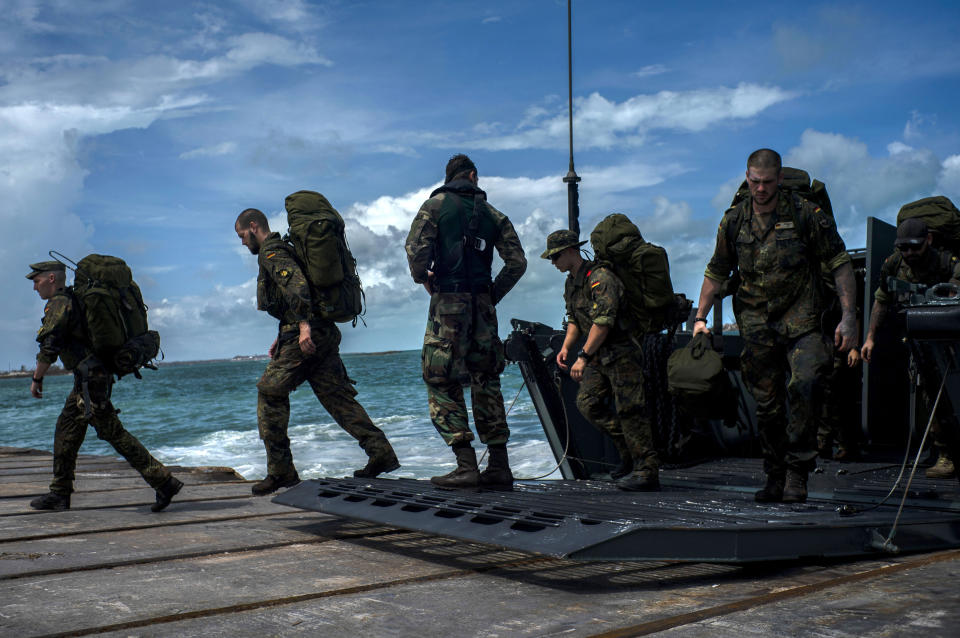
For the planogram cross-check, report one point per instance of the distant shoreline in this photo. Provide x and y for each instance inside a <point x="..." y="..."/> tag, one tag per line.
<point x="55" y="371"/>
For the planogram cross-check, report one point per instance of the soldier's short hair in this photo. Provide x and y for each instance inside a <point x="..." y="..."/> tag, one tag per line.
<point x="765" y="158"/>
<point x="252" y="215"/>
<point x="459" y="167"/>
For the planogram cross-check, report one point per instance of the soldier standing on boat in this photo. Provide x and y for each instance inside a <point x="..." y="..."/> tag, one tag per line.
<point x="915" y="261"/>
<point x="307" y="348"/>
<point x="777" y="241"/>
<point x="450" y="251"/>
<point x="608" y="366"/>
<point x="62" y="335"/>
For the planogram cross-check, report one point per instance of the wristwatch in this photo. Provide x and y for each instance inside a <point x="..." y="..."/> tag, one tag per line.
<point x="583" y="354"/>
<point x="703" y="319"/>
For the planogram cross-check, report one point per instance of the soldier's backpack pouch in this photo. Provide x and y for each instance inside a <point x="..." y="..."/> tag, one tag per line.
<point x="641" y="266"/>
<point x="698" y="381"/>
<point x="317" y="234"/>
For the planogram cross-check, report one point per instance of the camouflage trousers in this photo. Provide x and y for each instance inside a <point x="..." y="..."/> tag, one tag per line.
<point x="839" y="418"/>
<point x="778" y="370"/>
<point x="328" y="379"/>
<point x="72" y="429"/>
<point x="611" y="397"/>
<point x="461" y="347"/>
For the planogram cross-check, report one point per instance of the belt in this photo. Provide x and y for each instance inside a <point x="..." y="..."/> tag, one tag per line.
<point x="476" y="289"/>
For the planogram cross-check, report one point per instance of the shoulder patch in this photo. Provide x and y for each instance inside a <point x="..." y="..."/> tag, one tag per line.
<point x="271" y="255"/>
<point x="595" y="284"/>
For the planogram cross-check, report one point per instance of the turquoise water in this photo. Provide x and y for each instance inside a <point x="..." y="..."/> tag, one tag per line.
<point x="206" y="414"/>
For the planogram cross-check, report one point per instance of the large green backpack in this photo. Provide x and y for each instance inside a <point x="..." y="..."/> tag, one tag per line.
<point x="114" y="315"/>
<point x="941" y="217"/>
<point x="795" y="180"/>
<point x="320" y="245"/>
<point x="642" y="267"/>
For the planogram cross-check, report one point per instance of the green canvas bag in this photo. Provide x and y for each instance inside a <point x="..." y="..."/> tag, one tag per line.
<point x="940" y="216"/>
<point x="698" y="381"/>
<point x="317" y="235"/>
<point x="642" y="267"/>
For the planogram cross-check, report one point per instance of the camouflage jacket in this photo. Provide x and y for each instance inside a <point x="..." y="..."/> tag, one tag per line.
<point x="937" y="266"/>
<point x="61" y="334"/>
<point x="593" y="296"/>
<point x="423" y="240"/>
<point x="282" y="289"/>
<point x="780" y="268"/>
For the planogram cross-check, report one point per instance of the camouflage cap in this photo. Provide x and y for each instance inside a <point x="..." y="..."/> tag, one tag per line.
<point x="911" y="232"/>
<point x="560" y="239"/>
<point x="45" y="266"/>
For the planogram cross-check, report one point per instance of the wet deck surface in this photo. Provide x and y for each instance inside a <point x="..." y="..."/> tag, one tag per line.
<point x="219" y="562"/>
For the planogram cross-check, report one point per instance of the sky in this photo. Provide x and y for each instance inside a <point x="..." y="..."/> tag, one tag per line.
<point x="142" y="130"/>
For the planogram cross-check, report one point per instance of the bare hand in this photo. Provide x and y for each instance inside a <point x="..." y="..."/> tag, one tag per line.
<point x="576" y="372"/>
<point x="36" y="389"/>
<point x="853" y="357"/>
<point x="700" y="327"/>
<point x="562" y="359"/>
<point x="867" y="350"/>
<point x="273" y="349"/>
<point x="428" y="284"/>
<point x="306" y="339"/>
<point x="845" y="336"/>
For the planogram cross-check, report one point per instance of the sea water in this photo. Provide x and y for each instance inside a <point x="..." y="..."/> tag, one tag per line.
<point x="206" y="414"/>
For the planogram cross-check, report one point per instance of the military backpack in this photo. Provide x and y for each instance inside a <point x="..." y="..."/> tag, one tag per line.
<point x="941" y="217"/>
<point x="114" y="316"/>
<point x="319" y="244"/>
<point x="642" y="267"/>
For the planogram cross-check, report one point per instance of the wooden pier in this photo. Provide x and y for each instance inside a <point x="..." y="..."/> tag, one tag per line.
<point x="220" y="562"/>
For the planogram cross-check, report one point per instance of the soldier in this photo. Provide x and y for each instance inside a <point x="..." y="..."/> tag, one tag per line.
<point x="608" y="366"/>
<point x="450" y="251"/>
<point x="915" y="261"/>
<point x="778" y="241"/>
<point x="306" y="349"/>
<point x="62" y="335"/>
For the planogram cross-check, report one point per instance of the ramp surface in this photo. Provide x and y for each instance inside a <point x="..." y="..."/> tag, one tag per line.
<point x="705" y="513"/>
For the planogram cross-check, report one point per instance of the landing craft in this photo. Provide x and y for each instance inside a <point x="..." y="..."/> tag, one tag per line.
<point x="705" y="511"/>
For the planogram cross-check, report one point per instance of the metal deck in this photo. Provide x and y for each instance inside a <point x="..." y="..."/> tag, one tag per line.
<point x="705" y="513"/>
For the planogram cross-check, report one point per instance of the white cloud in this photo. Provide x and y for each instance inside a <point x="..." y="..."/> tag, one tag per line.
<point x="602" y="123"/>
<point x="948" y="182"/>
<point x="224" y="148"/>
<point x="491" y="20"/>
<point x="651" y="69"/>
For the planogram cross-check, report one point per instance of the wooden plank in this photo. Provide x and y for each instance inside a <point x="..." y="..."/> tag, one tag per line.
<point x="140" y="495"/>
<point x="556" y="598"/>
<point x="79" y="600"/>
<point x="94" y="482"/>
<point x="64" y="554"/>
<point x="78" y="522"/>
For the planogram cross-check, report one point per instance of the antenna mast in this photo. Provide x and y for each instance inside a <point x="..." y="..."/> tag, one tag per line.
<point x="572" y="179"/>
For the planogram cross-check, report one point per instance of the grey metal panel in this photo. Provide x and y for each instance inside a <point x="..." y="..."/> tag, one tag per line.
<point x="706" y="513"/>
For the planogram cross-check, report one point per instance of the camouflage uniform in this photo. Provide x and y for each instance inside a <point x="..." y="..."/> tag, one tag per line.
<point x="937" y="266"/>
<point x="283" y="292"/>
<point x="778" y="307"/>
<point x="61" y="335"/>
<point x="461" y="344"/>
<point x="593" y="296"/>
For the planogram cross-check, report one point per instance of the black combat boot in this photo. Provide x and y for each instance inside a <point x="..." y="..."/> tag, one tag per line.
<point x="643" y="480"/>
<point x="772" y="492"/>
<point x="51" y="501"/>
<point x="626" y="462"/>
<point x="795" y="487"/>
<point x="377" y="465"/>
<point x="466" y="474"/>
<point x="165" y="493"/>
<point x="273" y="483"/>
<point x="498" y="467"/>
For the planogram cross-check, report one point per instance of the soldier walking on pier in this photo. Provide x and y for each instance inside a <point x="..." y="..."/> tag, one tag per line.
<point x="62" y="335"/>
<point x="307" y="348"/>
<point x="778" y="241"/>
<point x="450" y="251"/>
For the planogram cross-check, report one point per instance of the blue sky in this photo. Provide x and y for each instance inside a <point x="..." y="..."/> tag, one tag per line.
<point x="142" y="131"/>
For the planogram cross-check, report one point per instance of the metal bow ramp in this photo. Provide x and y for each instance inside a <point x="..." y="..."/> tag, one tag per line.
<point x="705" y="513"/>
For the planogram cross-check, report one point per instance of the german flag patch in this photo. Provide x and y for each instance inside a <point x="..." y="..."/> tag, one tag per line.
<point x="270" y="256"/>
<point x="594" y="284"/>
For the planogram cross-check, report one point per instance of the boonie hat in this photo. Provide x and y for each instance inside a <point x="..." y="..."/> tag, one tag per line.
<point x="560" y="239"/>
<point x="911" y="232"/>
<point x="45" y="266"/>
